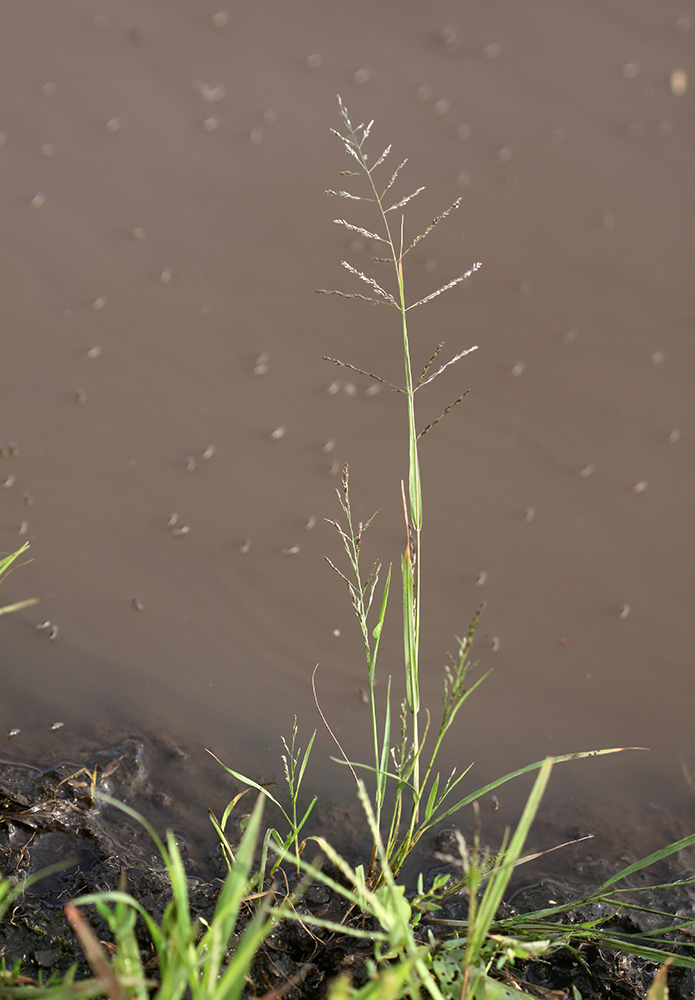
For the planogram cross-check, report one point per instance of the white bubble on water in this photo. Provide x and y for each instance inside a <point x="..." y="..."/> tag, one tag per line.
<point x="679" y="82"/>
<point x="38" y="200"/>
<point x="113" y="125"/>
<point x="220" y="19"/>
<point x="314" y="61"/>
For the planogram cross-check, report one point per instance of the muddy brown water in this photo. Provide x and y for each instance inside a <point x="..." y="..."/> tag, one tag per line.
<point x="164" y="169"/>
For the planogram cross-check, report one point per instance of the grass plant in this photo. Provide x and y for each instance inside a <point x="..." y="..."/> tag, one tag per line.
<point x="5" y="567"/>
<point x="409" y="795"/>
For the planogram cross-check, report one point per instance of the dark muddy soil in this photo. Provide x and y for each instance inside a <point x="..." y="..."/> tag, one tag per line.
<point x="51" y="817"/>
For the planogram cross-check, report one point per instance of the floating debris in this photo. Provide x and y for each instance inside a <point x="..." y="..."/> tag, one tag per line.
<point x="53" y="634"/>
<point x="28" y="499"/>
<point x="505" y="154"/>
<point x="464" y="131"/>
<point x="245" y="546"/>
<point x="311" y="523"/>
<point x="210" y="124"/>
<point x="290" y="550"/>
<point x="336" y="633"/>
<point x="372" y="390"/>
<point x="624" y="612"/>
<point x="328" y="446"/>
<point x="183" y="530"/>
<point x="442" y="106"/>
<point x="530" y="514"/>
<point x="350" y="389"/>
<point x="4" y="452"/>
<point x="495" y="643"/>
<point x="482" y="577"/>
<point x="80" y="396"/>
<point x="587" y="470"/>
<point x="208" y="93"/>
<point x="334" y="469"/>
<point x="641" y="486"/>
<point x="39" y="200"/>
<point x="173" y="520"/>
<point x="190" y="463"/>
<point x="99" y="303"/>
<point x="10" y="481"/>
<point x="333" y="388"/>
<point x="363" y="695"/>
<point x="494" y="803"/>
<point x="424" y="92"/>
<point x="220" y="19"/>
<point x="165" y="276"/>
<point x="113" y="125"/>
<point x="138" y="233"/>
<point x="23" y="528"/>
<point x="362" y="76"/>
<point x="261" y="365"/>
<point x="256" y="137"/>
<point x="57" y="725"/>
<point x="518" y="369"/>
<point x="674" y="436"/>
<point x="278" y="433"/>
<point x="138" y="605"/>
<point x="314" y="61"/>
<point x="94" y="352"/>
<point x="43" y="626"/>
<point x="12" y="733"/>
<point x="209" y="451"/>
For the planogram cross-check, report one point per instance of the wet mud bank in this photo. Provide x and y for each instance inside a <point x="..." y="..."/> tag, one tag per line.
<point x="54" y="818"/>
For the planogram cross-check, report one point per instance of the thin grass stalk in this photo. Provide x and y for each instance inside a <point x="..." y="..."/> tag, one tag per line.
<point x="411" y="565"/>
